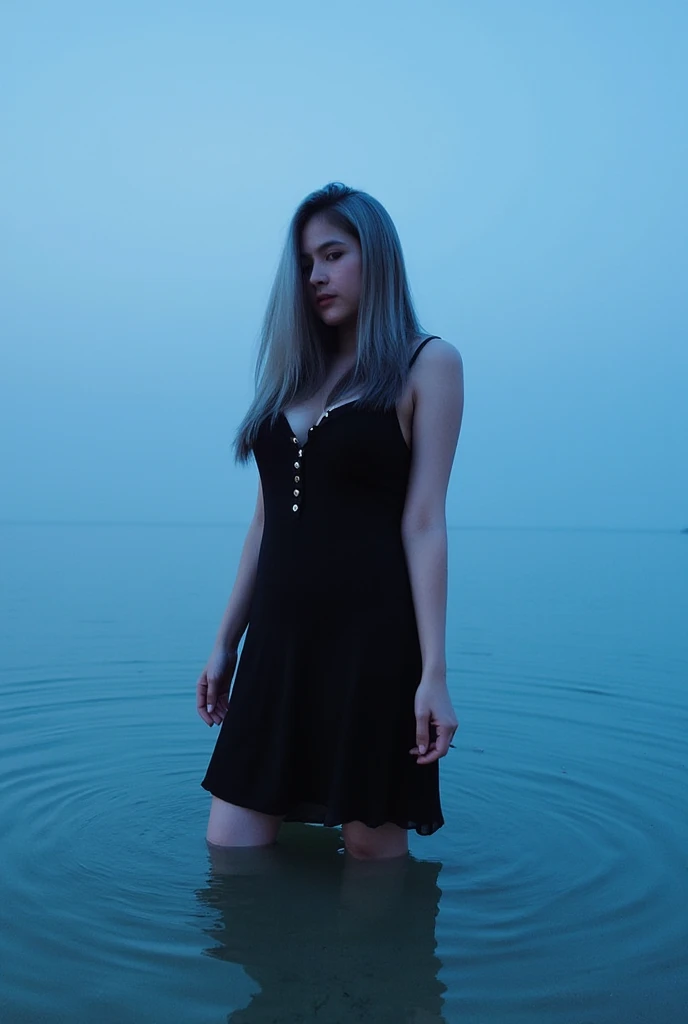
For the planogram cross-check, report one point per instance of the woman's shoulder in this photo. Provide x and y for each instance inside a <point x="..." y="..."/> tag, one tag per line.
<point x="438" y="355"/>
<point x="436" y="378"/>
<point x="437" y="393"/>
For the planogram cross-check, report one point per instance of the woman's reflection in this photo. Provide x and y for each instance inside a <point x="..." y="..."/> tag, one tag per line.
<point x="325" y="936"/>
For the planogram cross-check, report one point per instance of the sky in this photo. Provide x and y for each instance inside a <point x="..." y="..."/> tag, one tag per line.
<point x="533" y="156"/>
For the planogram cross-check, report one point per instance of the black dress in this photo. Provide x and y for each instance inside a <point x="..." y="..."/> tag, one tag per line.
<point x="321" y="713"/>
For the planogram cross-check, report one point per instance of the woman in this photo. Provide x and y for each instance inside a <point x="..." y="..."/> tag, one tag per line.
<point x="339" y="711"/>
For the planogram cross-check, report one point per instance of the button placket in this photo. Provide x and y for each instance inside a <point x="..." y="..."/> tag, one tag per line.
<point x="297" y="475"/>
<point x="296" y="493"/>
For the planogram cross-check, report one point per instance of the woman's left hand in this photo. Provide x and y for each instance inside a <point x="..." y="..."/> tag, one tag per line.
<point x="433" y="707"/>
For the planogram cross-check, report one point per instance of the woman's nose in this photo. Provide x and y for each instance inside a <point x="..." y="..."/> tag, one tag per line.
<point x="318" y="274"/>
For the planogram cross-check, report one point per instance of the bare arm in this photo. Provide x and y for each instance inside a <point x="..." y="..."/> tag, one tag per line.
<point x="438" y="413"/>
<point x="212" y="686"/>
<point x="235" y="618"/>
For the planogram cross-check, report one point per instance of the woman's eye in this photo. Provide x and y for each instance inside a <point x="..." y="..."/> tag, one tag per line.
<point x="335" y="254"/>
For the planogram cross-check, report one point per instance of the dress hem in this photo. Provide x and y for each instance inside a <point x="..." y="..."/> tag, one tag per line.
<point x="322" y="816"/>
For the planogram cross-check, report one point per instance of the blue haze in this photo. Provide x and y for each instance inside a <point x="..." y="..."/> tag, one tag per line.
<point x="533" y="156"/>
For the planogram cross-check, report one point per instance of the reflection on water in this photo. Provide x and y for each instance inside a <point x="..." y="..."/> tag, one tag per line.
<point x="327" y="937"/>
<point x="564" y="880"/>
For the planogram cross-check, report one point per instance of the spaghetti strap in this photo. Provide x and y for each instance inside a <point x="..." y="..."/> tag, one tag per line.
<point x="422" y="345"/>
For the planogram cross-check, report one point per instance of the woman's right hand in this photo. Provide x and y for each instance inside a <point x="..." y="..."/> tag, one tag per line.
<point x="212" y="688"/>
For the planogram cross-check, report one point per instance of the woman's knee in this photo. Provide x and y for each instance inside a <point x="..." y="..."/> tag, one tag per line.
<point x="233" y="826"/>
<point x="380" y="843"/>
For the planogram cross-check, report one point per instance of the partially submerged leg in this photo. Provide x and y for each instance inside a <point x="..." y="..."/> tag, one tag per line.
<point x="380" y="843"/>
<point x="375" y="868"/>
<point x="232" y="826"/>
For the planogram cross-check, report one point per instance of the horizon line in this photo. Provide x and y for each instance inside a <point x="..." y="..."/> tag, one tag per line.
<point x="227" y="524"/>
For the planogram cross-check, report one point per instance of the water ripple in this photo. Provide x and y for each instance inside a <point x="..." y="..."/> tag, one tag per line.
<point x="563" y="877"/>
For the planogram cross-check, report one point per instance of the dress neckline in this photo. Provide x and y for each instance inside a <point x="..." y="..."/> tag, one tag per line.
<point x="344" y="405"/>
<point x="324" y="414"/>
<point x="350" y="401"/>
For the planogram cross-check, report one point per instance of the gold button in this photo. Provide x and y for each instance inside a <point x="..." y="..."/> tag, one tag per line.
<point x="296" y="492"/>
<point x="297" y="479"/>
<point x="295" y="440"/>
<point x="295" y="508"/>
<point x="297" y="465"/>
<point x="300" y="452"/>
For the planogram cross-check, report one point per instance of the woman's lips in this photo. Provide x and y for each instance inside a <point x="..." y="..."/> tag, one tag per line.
<point x="326" y="299"/>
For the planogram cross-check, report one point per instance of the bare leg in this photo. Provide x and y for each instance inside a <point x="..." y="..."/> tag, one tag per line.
<point x="229" y="825"/>
<point x="365" y="843"/>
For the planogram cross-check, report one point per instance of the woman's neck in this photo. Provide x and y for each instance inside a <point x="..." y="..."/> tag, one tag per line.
<point x="347" y="341"/>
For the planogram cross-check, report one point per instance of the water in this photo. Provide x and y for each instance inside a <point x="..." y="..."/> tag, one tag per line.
<point x="556" y="893"/>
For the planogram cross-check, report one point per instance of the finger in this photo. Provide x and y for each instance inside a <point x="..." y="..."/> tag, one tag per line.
<point x="202" y="699"/>
<point x="422" y="731"/>
<point x="212" y="694"/>
<point x="219" y="711"/>
<point x="439" y="748"/>
<point x="433" y="746"/>
<point x="427" y="758"/>
<point x="415" y="750"/>
<point x="444" y="735"/>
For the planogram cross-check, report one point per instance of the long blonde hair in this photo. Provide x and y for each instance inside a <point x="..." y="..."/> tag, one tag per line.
<point x="296" y="347"/>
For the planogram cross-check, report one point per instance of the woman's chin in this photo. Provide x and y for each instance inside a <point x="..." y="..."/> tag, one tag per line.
<point x="333" y="317"/>
<point x="329" y="317"/>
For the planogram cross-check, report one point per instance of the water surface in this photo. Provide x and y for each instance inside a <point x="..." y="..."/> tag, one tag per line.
<point x="555" y="894"/>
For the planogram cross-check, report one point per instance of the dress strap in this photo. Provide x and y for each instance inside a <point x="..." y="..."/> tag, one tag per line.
<point x="422" y="344"/>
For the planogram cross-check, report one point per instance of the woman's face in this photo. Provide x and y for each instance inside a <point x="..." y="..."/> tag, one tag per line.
<point x="331" y="262"/>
